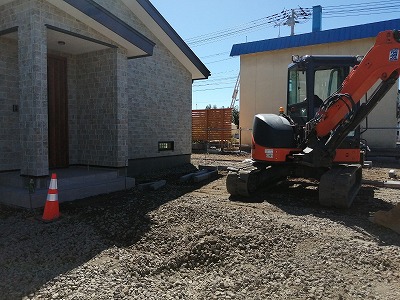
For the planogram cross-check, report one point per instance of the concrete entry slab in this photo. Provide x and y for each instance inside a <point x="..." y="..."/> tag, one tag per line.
<point x="73" y="183"/>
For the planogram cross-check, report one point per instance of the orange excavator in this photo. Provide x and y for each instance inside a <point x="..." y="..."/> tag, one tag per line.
<point x="319" y="139"/>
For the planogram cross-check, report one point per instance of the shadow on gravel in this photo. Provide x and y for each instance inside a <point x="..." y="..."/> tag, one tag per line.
<point x="33" y="253"/>
<point x="301" y="198"/>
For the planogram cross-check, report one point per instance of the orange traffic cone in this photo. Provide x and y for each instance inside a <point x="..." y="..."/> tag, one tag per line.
<point x="51" y="209"/>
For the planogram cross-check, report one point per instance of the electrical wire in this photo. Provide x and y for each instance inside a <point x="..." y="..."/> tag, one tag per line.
<point x="361" y="9"/>
<point x="213" y="55"/>
<point x="279" y="19"/>
<point x="220" y="60"/>
<point x="213" y="89"/>
<point x="302" y="15"/>
<point x="217" y="79"/>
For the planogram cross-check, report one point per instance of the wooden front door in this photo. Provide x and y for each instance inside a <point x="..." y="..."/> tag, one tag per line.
<point x="58" y="111"/>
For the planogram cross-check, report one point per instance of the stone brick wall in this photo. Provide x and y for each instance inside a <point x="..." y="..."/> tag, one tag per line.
<point x="10" y="150"/>
<point x="98" y="109"/>
<point x="122" y="108"/>
<point x="159" y="96"/>
<point x="33" y="95"/>
<point x="160" y="105"/>
<point x="118" y="108"/>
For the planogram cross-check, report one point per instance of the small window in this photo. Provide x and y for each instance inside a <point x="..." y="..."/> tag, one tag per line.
<point x="166" y="146"/>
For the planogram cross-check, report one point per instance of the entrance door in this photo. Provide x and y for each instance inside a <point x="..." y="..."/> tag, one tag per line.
<point x="58" y="111"/>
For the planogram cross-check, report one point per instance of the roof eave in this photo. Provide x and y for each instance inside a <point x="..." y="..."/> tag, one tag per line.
<point x="314" y="38"/>
<point x="157" y="24"/>
<point x="109" y="25"/>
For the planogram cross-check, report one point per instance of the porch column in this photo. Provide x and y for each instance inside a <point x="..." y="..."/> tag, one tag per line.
<point x="32" y="54"/>
<point x="122" y="108"/>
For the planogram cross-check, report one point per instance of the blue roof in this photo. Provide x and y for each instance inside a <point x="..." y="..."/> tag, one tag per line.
<point x="315" y="38"/>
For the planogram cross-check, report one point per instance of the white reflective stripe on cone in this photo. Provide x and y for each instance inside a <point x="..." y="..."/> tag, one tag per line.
<point x="52" y="197"/>
<point x="53" y="184"/>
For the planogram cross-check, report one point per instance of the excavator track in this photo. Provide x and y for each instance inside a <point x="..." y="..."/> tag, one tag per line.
<point x="245" y="181"/>
<point x="242" y="182"/>
<point x="339" y="186"/>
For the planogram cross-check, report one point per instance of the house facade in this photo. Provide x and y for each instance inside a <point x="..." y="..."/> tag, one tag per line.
<point x="263" y="75"/>
<point x="94" y="83"/>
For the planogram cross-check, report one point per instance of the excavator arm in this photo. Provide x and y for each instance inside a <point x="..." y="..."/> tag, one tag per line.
<point x="378" y="64"/>
<point x="341" y="113"/>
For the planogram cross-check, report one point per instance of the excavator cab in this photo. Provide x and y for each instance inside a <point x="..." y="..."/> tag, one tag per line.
<point x="312" y="78"/>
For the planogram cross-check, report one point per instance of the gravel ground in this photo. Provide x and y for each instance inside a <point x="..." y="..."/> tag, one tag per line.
<point x="189" y="241"/>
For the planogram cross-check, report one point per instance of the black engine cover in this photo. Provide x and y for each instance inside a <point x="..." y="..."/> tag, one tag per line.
<point x="273" y="131"/>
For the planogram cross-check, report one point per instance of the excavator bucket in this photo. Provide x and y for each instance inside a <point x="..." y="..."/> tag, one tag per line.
<point x="339" y="186"/>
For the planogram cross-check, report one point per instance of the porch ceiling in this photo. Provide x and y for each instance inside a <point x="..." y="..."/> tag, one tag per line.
<point x="72" y="44"/>
<point x="66" y="43"/>
<point x="120" y="33"/>
<point x="94" y="16"/>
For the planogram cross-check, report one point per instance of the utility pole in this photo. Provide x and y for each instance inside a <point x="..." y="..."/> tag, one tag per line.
<point x="278" y="25"/>
<point x="291" y="21"/>
<point x="291" y="18"/>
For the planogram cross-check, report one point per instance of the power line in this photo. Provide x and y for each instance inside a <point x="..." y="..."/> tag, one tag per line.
<point x="228" y="71"/>
<point x="216" y="54"/>
<point x="215" y="79"/>
<point x="279" y="19"/>
<point x="373" y="4"/>
<point x="214" y="84"/>
<point x="361" y="9"/>
<point x="302" y="16"/>
<point x="217" y="61"/>
<point x="213" y="89"/>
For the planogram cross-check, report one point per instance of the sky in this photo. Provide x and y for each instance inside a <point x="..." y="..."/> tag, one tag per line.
<point x="238" y="22"/>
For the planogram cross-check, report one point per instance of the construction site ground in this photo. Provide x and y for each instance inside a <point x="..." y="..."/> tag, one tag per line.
<point x="191" y="241"/>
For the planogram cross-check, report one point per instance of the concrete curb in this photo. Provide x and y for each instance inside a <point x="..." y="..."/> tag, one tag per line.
<point x="190" y="176"/>
<point x="152" y="186"/>
<point x="389" y="184"/>
<point x="205" y="172"/>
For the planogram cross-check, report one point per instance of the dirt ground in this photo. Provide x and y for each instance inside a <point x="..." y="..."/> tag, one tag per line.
<point x="191" y="241"/>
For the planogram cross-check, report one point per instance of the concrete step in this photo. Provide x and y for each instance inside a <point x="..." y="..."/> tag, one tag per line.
<point x="65" y="180"/>
<point x="65" y="177"/>
<point x="69" y="189"/>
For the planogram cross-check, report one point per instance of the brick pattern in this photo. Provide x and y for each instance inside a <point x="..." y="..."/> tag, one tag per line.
<point x="160" y="105"/>
<point x="121" y="108"/>
<point x="100" y="114"/>
<point x="159" y="95"/>
<point x="33" y="96"/>
<point x="10" y="148"/>
<point x="118" y="108"/>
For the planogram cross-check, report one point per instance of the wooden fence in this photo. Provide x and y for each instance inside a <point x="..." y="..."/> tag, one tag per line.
<point x="211" y="124"/>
